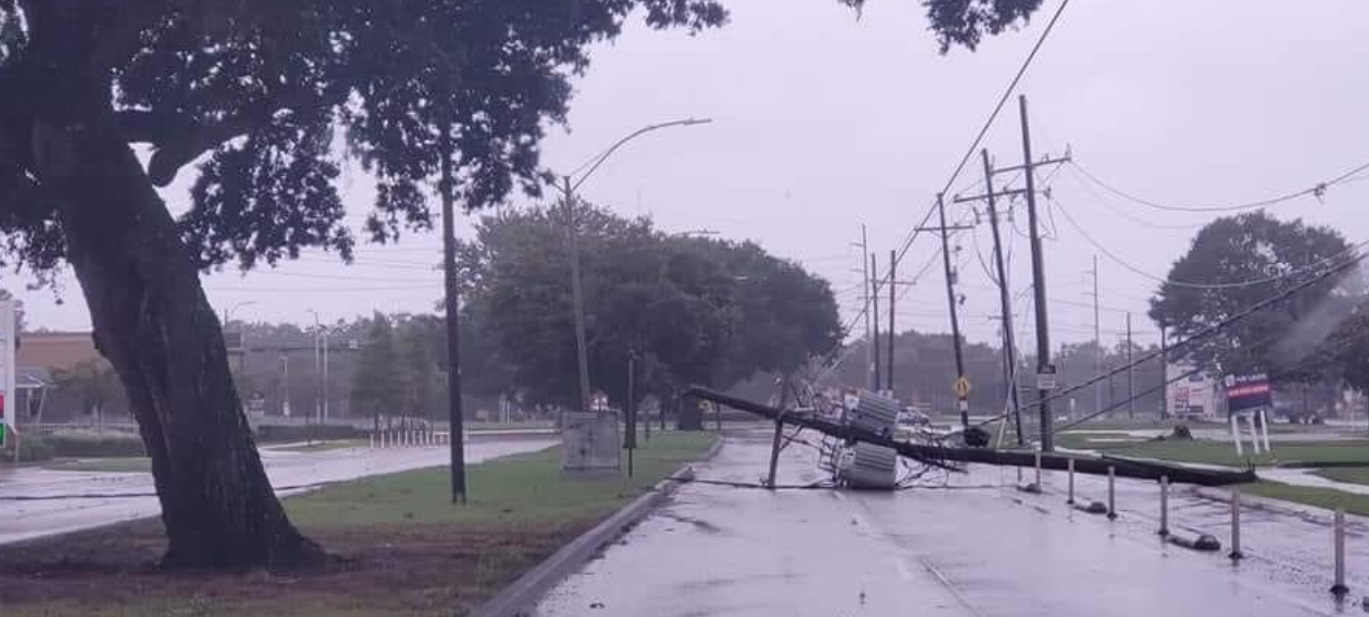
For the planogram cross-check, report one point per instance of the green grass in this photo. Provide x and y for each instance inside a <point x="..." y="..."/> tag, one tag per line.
<point x="505" y="426"/>
<point x="524" y="488"/>
<point x="320" y="446"/>
<point x="1330" y="499"/>
<point x="124" y="464"/>
<point x="1220" y="453"/>
<point x="1353" y="475"/>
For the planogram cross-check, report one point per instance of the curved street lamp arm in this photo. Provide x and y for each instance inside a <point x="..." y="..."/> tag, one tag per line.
<point x="594" y="163"/>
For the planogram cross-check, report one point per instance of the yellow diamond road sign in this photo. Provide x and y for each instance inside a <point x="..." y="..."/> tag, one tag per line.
<point x="962" y="387"/>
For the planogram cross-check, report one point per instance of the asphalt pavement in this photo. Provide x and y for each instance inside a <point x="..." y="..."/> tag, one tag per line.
<point x="36" y="502"/>
<point x="964" y="544"/>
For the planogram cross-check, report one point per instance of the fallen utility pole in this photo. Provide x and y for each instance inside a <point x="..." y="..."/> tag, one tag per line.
<point x="941" y="456"/>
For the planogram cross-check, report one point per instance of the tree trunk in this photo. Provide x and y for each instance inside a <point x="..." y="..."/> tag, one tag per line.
<point x="152" y="321"/>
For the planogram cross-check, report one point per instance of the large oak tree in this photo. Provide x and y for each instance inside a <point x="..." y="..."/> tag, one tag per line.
<point x="1239" y="261"/>
<point x="256" y="89"/>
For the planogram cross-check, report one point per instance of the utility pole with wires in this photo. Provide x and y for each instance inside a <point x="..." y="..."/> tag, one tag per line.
<point x="1045" y="371"/>
<point x="893" y="267"/>
<point x="1164" y="373"/>
<point x="874" y="318"/>
<point x="871" y="378"/>
<point x="1131" y="374"/>
<point x="961" y="385"/>
<point x="1004" y="300"/>
<point x="1097" y="340"/>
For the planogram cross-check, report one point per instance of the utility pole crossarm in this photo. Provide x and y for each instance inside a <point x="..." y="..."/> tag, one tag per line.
<point x="946" y="227"/>
<point x="984" y="196"/>
<point x="1040" y="163"/>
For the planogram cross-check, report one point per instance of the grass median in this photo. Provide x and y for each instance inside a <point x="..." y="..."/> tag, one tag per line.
<point x="1212" y="452"/>
<point x="1327" y="498"/>
<point x="400" y="547"/>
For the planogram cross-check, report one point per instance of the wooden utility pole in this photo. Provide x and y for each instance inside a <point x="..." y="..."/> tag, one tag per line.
<point x="1097" y="340"/>
<point x="1004" y="301"/>
<point x="871" y="378"/>
<point x="893" y="267"/>
<point x="874" y="306"/>
<point x="1044" y="369"/>
<point x="1164" y="373"/>
<point x="951" y="304"/>
<point x="1131" y="376"/>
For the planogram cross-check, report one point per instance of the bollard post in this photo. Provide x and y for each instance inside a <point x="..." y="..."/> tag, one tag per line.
<point x="1019" y="475"/>
<point x="1236" y="525"/>
<point x="1112" y="492"/>
<point x="371" y="441"/>
<point x="1039" y="488"/>
<point x="1339" y="587"/>
<point x="1070" y="500"/>
<point x="775" y="454"/>
<point x="1164" y="506"/>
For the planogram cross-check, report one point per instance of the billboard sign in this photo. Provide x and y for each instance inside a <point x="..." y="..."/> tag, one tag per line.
<point x="1248" y="392"/>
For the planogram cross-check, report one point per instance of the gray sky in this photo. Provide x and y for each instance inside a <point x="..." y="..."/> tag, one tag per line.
<point x="823" y="121"/>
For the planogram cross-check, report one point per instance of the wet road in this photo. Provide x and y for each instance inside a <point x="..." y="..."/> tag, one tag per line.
<point x="977" y="547"/>
<point x="290" y="472"/>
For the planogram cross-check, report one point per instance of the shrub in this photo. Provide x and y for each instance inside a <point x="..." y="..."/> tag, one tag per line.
<point x="32" y="448"/>
<point x="90" y="445"/>
<point x="1181" y="432"/>
<point x="282" y="433"/>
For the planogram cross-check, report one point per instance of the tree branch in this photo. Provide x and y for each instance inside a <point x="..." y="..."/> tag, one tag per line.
<point x="179" y="140"/>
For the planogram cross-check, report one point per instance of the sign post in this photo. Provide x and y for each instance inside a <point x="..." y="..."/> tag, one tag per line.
<point x="1248" y="396"/>
<point x="8" y="331"/>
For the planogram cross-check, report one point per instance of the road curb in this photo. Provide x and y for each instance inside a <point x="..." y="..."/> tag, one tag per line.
<point x="521" y="596"/>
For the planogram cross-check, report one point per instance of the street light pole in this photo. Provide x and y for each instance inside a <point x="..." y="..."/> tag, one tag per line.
<point x="577" y="293"/>
<point x="568" y="188"/>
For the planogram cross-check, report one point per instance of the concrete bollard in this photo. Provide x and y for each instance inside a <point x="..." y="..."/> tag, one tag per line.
<point x="1339" y="588"/>
<point x="1070" y="500"/>
<point x="1236" y="525"/>
<point x="1038" y="471"/>
<point x="1112" y="491"/>
<point x="371" y="441"/>
<point x="1164" y="506"/>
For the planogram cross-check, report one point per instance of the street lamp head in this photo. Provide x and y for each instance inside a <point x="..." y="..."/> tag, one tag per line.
<point x="697" y="121"/>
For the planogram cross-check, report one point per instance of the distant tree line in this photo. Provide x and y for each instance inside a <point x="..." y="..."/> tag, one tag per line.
<point x="688" y="309"/>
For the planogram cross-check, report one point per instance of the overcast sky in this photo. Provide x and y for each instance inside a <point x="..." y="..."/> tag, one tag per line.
<point x="824" y="121"/>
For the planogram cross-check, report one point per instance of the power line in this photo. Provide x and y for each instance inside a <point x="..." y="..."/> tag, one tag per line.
<point x="983" y="130"/>
<point x="433" y="287"/>
<point x="1106" y="203"/>
<point x="969" y="152"/>
<point x="1316" y="190"/>
<point x="1193" y="285"/>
